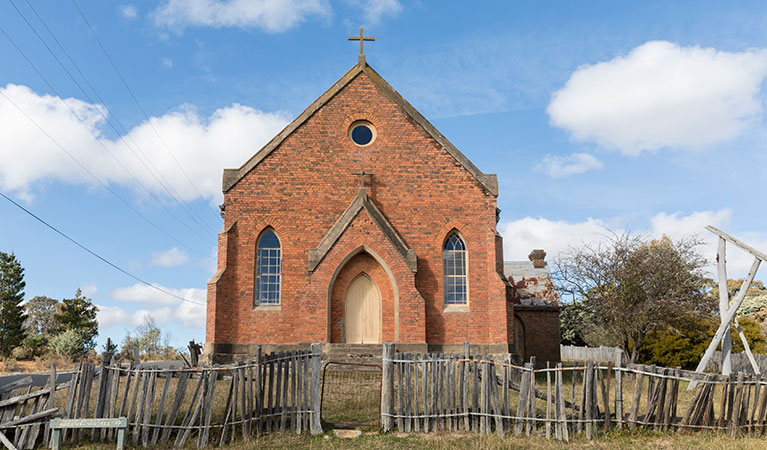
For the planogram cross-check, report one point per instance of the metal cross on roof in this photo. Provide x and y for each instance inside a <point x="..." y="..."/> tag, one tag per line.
<point x="362" y="40"/>
<point x="362" y="175"/>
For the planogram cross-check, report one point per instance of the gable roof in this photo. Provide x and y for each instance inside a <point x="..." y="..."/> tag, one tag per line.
<point x="361" y="201"/>
<point x="232" y="176"/>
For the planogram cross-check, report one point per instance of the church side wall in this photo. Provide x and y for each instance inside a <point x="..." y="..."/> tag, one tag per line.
<point x="302" y="188"/>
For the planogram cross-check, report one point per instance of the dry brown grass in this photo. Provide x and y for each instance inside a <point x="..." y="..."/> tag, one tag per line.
<point x="458" y="441"/>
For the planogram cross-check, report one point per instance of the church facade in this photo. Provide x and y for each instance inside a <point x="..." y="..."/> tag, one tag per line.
<point x="360" y="223"/>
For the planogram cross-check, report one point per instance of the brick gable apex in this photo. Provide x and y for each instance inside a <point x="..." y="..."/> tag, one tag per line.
<point x="231" y="176"/>
<point x="361" y="201"/>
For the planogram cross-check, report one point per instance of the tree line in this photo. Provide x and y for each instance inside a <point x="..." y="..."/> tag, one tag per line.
<point x="653" y="298"/>
<point x="44" y="326"/>
<point x="68" y="328"/>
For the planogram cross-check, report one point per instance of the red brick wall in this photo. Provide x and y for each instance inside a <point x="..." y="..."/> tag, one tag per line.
<point x="541" y="328"/>
<point x="304" y="185"/>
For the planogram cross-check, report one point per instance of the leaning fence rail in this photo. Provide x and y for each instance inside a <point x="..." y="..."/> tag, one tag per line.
<point x="477" y="393"/>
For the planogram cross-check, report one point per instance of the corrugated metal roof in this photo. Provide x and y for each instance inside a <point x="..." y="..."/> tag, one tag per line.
<point x="533" y="286"/>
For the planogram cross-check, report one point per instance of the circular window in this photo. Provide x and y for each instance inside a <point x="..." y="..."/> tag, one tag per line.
<point x="362" y="133"/>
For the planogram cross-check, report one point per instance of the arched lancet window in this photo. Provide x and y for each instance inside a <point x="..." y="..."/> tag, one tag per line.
<point x="268" y="269"/>
<point x="454" y="270"/>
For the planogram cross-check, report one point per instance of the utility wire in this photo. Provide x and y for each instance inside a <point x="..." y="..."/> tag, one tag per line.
<point x="50" y="86"/>
<point x="114" y="266"/>
<point x="108" y="120"/>
<point x="92" y="175"/>
<point x="141" y="108"/>
<point x="96" y="137"/>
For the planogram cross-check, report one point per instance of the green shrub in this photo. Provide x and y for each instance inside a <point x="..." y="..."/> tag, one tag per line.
<point x="21" y="353"/>
<point x="685" y="344"/>
<point x="69" y="343"/>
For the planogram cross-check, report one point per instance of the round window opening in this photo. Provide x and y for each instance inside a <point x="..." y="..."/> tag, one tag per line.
<point x="362" y="133"/>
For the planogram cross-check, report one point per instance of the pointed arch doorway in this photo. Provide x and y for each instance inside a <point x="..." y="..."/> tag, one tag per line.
<point x="362" y="311"/>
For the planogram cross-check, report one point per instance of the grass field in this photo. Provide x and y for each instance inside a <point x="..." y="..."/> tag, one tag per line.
<point x="457" y="441"/>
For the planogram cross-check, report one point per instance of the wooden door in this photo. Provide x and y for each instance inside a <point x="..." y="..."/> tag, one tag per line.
<point x="362" y="311"/>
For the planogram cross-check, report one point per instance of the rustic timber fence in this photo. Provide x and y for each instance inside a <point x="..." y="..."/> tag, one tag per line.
<point x="436" y="392"/>
<point x="277" y="392"/>
<point x="596" y="354"/>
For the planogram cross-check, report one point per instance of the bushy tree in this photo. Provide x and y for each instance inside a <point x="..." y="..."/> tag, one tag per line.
<point x="41" y="315"/>
<point x="11" y="310"/>
<point x="685" y="342"/>
<point x="572" y="318"/>
<point x="79" y="314"/>
<point x="630" y="286"/>
<point x="149" y="341"/>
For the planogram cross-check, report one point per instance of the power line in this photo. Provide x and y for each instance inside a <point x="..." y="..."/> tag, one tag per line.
<point x="141" y="108"/>
<point x="34" y="67"/>
<point x="108" y="120"/>
<point x="114" y="266"/>
<point x="92" y="175"/>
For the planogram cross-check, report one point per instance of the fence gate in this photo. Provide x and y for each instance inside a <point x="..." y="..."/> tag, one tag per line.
<point x="351" y="394"/>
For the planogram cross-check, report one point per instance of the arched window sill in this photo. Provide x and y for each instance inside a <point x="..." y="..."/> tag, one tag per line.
<point x="456" y="309"/>
<point x="268" y="308"/>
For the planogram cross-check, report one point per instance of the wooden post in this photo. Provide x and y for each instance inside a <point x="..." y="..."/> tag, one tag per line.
<point x="548" y="402"/>
<point x="416" y="420"/>
<point x="316" y="424"/>
<point x="562" y="412"/>
<point x="724" y="304"/>
<point x="530" y="424"/>
<point x="724" y="325"/>
<point x="49" y="404"/>
<point x="496" y="402"/>
<point x="619" y="391"/>
<point x="587" y="387"/>
<point x="735" y="424"/>
<point x="522" y="404"/>
<point x="400" y="386"/>
<point x="746" y="347"/>
<point x="604" y="382"/>
<point x="387" y="387"/>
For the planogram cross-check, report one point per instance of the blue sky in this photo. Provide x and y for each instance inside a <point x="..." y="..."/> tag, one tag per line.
<point x="641" y="115"/>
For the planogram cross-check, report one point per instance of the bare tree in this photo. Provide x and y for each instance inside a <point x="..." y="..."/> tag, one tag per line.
<point x="630" y="286"/>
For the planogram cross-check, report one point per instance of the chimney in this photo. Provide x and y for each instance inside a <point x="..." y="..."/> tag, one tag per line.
<point x="537" y="257"/>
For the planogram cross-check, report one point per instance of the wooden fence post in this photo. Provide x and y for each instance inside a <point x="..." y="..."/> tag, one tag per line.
<point x="619" y="391"/>
<point x="316" y="424"/>
<point x="387" y="387"/>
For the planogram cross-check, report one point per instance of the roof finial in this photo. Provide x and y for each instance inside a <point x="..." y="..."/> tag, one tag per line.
<point x="362" y="38"/>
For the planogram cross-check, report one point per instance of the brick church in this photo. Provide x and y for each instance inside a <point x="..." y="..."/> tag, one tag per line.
<point x="360" y="223"/>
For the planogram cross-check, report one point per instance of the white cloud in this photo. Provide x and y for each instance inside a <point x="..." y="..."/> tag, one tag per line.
<point x="560" y="166"/>
<point x="169" y="310"/>
<point x="202" y="145"/>
<point x="170" y="258"/>
<point x="662" y="95"/>
<point x="89" y="289"/>
<point x="128" y="11"/>
<point x="142" y="293"/>
<point x="554" y="236"/>
<point x="738" y="261"/>
<point x="523" y="235"/>
<point x="375" y="10"/>
<point x="167" y="63"/>
<point x="185" y="314"/>
<point x="112" y="315"/>
<point x="272" y="16"/>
